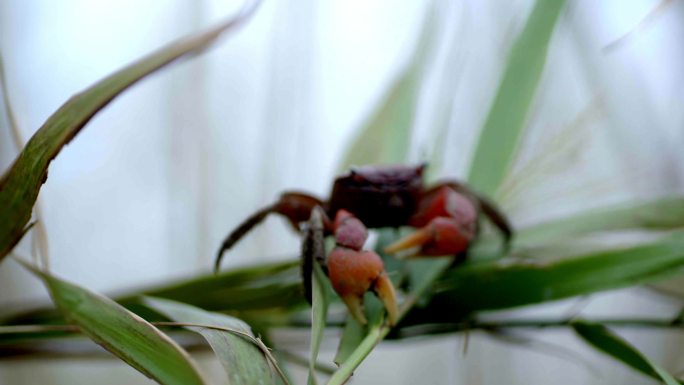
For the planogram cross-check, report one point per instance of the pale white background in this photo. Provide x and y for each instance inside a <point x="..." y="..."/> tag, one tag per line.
<point x="147" y="191"/>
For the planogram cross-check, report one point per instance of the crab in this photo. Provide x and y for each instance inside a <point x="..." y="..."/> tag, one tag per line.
<point x="446" y="218"/>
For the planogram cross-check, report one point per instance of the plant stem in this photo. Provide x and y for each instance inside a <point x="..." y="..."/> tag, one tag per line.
<point x="536" y="324"/>
<point x="648" y="323"/>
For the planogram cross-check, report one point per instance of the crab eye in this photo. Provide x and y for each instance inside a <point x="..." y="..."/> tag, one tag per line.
<point x="357" y="177"/>
<point x="421" y="168"/>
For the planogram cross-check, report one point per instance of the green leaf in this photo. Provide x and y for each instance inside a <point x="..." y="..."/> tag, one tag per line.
<point x="506" y="119"/>
<point x="264" y="293"/>
<point x="268" y="286"/>
<point x="524" y="282"/>
<point x="242" y="359"/>
<point x="659" y="214"/>
<point x="352" y="335"/>
<point x="375" y="334"/>
<point x="123" y="333"/>
<point x="19" y="186"/>
<point x="385" y="136"/>
<point x="606" y="341"/>
<point x="319" y="315"/>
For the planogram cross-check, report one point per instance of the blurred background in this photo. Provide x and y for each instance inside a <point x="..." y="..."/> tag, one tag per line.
<point x="147" y="192"/>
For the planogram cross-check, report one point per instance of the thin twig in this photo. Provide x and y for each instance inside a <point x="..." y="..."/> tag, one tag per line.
<point x="421" y="330"/>
<point x="543" y="347"/>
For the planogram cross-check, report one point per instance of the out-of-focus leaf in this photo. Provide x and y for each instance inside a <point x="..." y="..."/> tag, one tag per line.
<point x="385" y="136"/>
<point x="352" y="335"/>
<point x="319" y="315"/>
<point x="266" y="292"/>
<point x="506" y="120"/>
<point x="20" y="184"/>
<point x="509" y="283"/>
<point x="659" y="214"/>
<point x="375" y="334"/>
<point x="542" y="347"/>
<point x="276" y="285"/>
<point x="606" y="341"/>
<point x="242" y="360"/>
<point x="123" y="333"/>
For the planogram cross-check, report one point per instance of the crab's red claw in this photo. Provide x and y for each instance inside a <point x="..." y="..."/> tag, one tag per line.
<point x="442" y="236"/>
<point x="353" y="273"/>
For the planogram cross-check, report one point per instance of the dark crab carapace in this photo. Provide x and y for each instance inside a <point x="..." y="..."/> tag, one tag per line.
<point x="446" y="216"/>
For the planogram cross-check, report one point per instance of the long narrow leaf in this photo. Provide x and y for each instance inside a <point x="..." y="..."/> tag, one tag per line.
<point x="242" y="360"/>
<point x="20" y="184"/>
<point x="352" y="335"/>
<point x="505" y="284"/>
<point x="606" y="341"/>
<point x="272" y="287"/>
<point x="506" y="120"/>
<point x="123" y="333"/>
<point x="659" y="214"/>
<point x="385" y="137"/>
<point x="319" y="314"/>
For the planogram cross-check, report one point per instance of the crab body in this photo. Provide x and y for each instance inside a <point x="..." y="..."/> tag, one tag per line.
<point x="446" y="217"/>
<point x="378" y="196"/>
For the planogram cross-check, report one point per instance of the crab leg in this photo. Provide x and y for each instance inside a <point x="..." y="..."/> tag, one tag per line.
<point x="354" y="271"/>
<point x="294" y="206"/>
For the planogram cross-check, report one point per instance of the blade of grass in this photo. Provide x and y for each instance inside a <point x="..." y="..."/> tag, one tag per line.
<point x="319" y="315"/>
<point x="39" y="245"/>
<point x="480" y="286"/>
<point x="238" y="351"/>
<point x="659" y="214"/>
<point x="385" y="136"/>
<point x="268" y="291"/>
<point x="352" y="335"/>
<point x="123" y="333"/>
<point x="276" y="285"/>
<point x="19" y="186"/>
<point x="506" y="119"/>
<point x="606" y="341"/>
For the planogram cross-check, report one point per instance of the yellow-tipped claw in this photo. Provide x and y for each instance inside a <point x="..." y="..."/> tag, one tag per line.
<point x="415" y="239"/>
<point x="355" y="305"/>
<point x="385" y="291"/>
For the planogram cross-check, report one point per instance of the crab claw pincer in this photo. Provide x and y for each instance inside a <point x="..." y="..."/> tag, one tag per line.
<point x="354" y="271"/>
<point x="442" y="236"/>
<point x="446" y="222"/>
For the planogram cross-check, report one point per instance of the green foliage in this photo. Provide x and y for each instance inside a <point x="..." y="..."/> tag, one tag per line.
<point x="434" y="292"/>
<point x="268" y="286"/>
<point x="123" y="333"/>
<point x="319" y="315"/>
<point x="241" y="357"/>
<point x="505" y="123"/>
<point x="659" y="214"/>
<point x="603" y="339"/>
<point x="529" y="281"/>
<point x="20" y="184"/>
<point x="385" y="137"/>
<point x="352" y="335"/>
